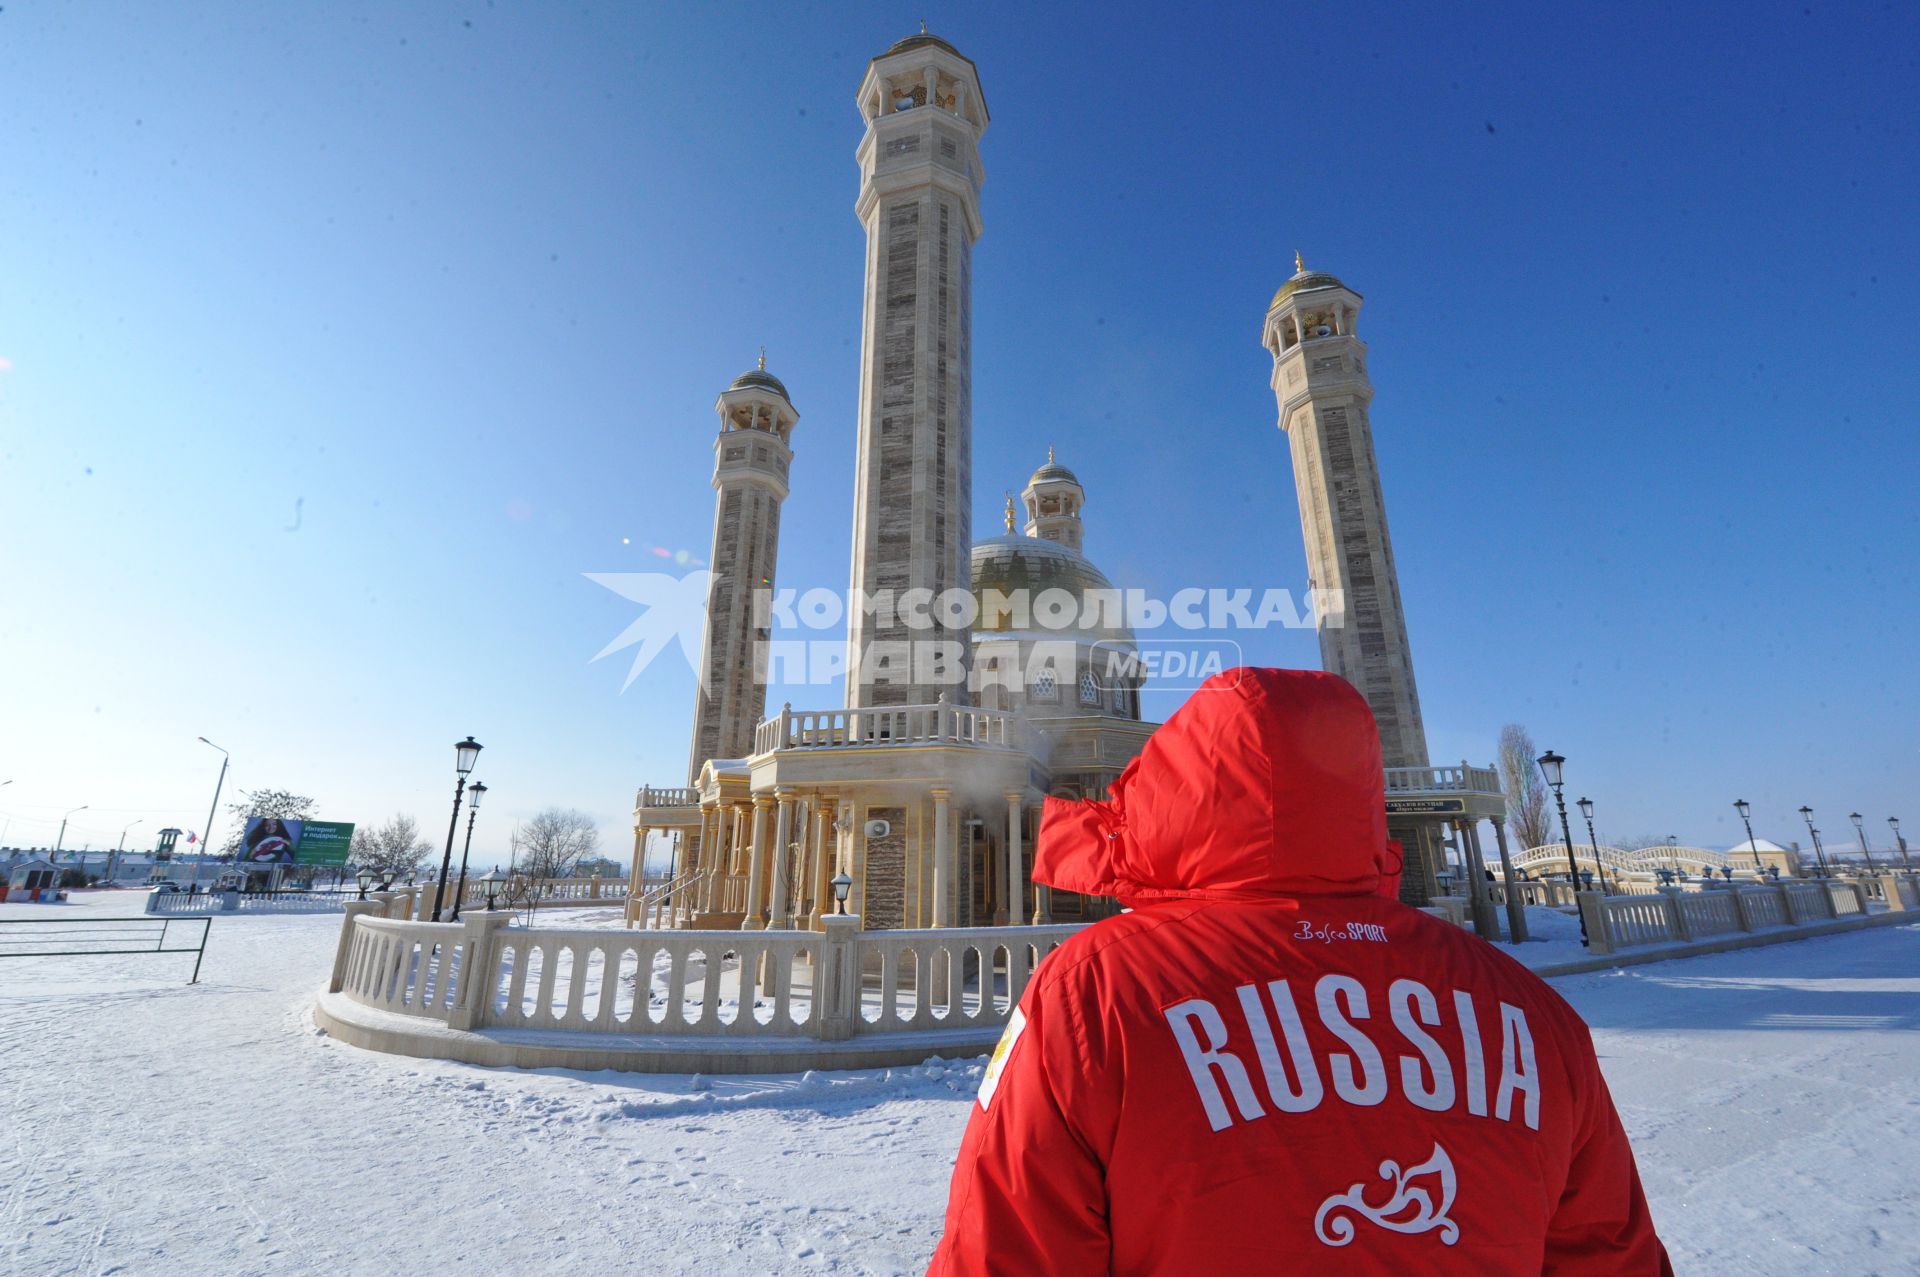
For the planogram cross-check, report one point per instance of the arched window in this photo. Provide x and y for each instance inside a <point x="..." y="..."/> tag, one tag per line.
<point x="1089" y="689"/>
<point x="1044" y="687"/>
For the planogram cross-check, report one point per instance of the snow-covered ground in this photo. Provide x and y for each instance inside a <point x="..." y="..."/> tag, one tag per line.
<point x="149" y="1127"/>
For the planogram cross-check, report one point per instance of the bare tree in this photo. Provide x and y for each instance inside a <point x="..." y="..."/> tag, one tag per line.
<point x="553" y="842"/>
<point x="1527" y="813"/>
<point x="395" y="847"/>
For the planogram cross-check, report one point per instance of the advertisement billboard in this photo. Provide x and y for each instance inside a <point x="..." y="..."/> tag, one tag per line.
<point x="269" y="840"/>
<point x="324" y="842"/>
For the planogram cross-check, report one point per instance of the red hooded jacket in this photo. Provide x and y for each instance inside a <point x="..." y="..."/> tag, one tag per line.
<point x="1270" y="1065"/>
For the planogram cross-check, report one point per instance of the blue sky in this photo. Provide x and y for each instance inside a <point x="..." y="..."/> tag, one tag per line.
<point x="340" y="341"/>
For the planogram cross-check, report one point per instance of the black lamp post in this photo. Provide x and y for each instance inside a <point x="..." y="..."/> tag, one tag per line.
<point x="365" y="879"/>
<point x="474" y="793"/>
<point x="464" y="754"/>
<point x="1673" y="857"/>
<point x="1740" y="805"/>
<point x="1864" y="849"/>
<point x="1893" y="823"/>
<point x="1806" y="814"/>
<point x="1550" y="767"/>
<point x="842" y="887"/>
<point x="493" y="881"/>
<point x="1586" y="811"/>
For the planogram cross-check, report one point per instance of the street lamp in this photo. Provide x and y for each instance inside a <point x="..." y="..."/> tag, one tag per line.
<point x="121" y="850"/>
<point x="494" y="882"/>
<point x="1893" y="823"/>
<point x="474" y="795"/>
<point x="1550" y="767"/>
<point x="1740" y="805"/>
<point x="842" y="886"/>
<point x="366" y="879"/>
<point x="206" y="835"/>
<point x="63" y="831"/>
<point x="1806" y="814"/>
<point x="1673" y="857"/>
<point x="464" y="754"/>
<point x="1586" y="811"/>
<point x="1862" y="831"/>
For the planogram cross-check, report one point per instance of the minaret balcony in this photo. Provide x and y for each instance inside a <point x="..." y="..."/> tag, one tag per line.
<point x="885" y="725"/>
<point x="1465" y="790"/>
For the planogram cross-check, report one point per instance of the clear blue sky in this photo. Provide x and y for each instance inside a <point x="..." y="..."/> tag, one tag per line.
<point x="341" y="340"/>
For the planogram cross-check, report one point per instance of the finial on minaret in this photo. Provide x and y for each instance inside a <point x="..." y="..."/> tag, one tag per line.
<point x="923" y="26"/>
<point x="1009" y="514"/>
<point x="1299" y="266"/>
<point x="763" y="359"/>
<point x="1049" y="454"/>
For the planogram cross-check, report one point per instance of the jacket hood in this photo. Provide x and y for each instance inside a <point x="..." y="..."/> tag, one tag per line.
<point x="1265" y="783"/>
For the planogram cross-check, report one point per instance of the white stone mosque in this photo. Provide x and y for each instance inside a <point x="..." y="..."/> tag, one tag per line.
<point x="924" y="787"/>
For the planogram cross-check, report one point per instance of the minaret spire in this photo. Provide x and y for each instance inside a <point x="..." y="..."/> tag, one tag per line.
<point x="1299" y="265"/>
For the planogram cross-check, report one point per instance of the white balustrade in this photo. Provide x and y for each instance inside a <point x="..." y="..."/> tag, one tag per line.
<point x="720" y="984"/>
<point x="888" y="725"/>
<point x="1674" y="915"/>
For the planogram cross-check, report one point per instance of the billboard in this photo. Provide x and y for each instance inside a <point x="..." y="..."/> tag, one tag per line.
<point x="323" y="842"/>
<point x="270" y="840"/>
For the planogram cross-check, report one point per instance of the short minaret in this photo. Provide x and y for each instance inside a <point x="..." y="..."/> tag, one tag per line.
<point x="913" y="484"/>
<point x="1320" y="381"/>
<point x="1053" y="498"/>
<point x="750" y="461"/>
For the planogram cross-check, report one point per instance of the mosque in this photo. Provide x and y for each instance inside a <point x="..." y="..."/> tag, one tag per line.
<point x="924" y="787"/>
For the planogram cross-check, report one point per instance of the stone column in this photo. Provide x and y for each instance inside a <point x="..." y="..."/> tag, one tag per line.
<point x="707" y="857"/>
<point x="1042" y="904"/>
<point x="757" y="866"/>
<point x="1016" y="868"/>
<point x="825" y="851"/>
<point x="942" y="860"/>
<point x="780" y="868"/>
<point x="1486" y="923"/>
<point x="1516" y="907"/>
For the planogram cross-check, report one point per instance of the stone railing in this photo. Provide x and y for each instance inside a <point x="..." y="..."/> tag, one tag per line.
<point x="891" y="725"/>
<point x="649" y="796"/>
<point x="175" y="903"/>
<point x="1675" y="916"/>
<point x="720" y="985"/>
<point x="1534" y="891"/>
<point x="1465" y="779"/>
<point x="658" y="902"/>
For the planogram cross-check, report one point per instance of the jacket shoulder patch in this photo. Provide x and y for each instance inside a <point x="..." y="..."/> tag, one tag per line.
<point x="990" y="1083"/>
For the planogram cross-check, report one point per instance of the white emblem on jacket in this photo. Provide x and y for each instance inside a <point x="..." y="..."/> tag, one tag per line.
<point x="1409" y="1208"/>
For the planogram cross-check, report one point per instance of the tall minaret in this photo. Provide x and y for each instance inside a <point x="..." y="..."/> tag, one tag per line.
<point x="913" y="483"/>
<point x="750" y="460"/>
<point x="1320" y="380"/>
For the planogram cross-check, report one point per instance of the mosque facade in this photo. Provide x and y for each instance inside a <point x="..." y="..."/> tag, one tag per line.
<point x="922" y="790"/>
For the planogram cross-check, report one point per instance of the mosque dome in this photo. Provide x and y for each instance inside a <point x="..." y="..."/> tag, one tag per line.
<point x="1053" y="471"/>
<point x="1018" y="566"/>
<point x="1304" y="281"/>
<point x="762" y="379"/>
<point x="919" y="40"/>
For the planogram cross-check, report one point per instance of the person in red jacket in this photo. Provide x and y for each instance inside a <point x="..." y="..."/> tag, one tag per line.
<point x="1268" y="1064"/>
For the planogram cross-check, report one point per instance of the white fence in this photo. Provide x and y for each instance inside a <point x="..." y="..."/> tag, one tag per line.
<point x="195" y="904"/>
<point x="1672" y="915"/>
<point x="717" y="985"/>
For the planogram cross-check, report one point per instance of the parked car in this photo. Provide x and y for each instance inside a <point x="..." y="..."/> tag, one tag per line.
<point x="167" y="884"/>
